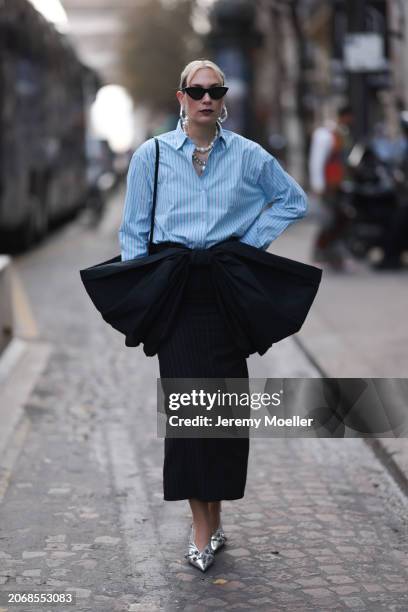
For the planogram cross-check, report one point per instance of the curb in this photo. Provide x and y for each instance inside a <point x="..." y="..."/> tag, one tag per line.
<point x="6" y="308"/>
<point x="385" y="449"/>
<point x="392" y="453"/>
<point x="21" y="365"/>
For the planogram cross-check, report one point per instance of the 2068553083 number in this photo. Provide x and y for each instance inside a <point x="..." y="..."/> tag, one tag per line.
<point x="51" y="597"/>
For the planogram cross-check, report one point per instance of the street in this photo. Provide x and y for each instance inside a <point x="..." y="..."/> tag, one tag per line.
<point x="323" y="525"/>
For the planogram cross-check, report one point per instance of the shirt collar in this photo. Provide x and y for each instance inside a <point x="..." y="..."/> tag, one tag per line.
<point x="181" y="137"/>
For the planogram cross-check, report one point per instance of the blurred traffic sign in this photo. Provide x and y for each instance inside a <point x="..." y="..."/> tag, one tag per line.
<point x="364" y="52"/>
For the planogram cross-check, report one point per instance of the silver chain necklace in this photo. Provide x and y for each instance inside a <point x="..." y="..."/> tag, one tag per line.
<point x="202" y="162"/>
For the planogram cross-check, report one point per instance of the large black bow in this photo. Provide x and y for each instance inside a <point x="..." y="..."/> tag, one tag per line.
<point x="262" y="297"/>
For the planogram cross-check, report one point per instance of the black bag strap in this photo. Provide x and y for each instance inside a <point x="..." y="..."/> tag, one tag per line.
<point x="156" y="171"/>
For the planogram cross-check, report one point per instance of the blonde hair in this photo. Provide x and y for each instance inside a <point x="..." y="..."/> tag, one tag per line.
<point x="195" y="65"/>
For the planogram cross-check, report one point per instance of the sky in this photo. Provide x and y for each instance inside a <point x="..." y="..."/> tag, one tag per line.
<point x="53" y="11"/>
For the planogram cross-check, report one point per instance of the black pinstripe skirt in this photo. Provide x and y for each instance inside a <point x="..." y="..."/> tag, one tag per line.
<point x="200" y="346"/>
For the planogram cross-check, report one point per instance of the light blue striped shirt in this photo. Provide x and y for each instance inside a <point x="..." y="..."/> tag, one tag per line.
<point x="243" y="192"/>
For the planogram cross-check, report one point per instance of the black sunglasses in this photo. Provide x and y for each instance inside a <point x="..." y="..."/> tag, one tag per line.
<point x="215" y="93"/>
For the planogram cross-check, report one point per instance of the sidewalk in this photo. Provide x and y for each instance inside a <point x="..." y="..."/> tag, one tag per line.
<point x="357" y="327"/>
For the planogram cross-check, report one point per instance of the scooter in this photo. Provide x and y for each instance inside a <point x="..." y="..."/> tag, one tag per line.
<point x="369" y="200"/>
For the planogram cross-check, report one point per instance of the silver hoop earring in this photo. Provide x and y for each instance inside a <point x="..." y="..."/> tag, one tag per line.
<point x="224" y="114"/>
<point x="183" y="117"/>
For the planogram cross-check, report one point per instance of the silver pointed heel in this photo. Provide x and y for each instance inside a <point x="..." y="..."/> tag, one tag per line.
<point x="218" y="539"/>
<point x="202" y="559"/>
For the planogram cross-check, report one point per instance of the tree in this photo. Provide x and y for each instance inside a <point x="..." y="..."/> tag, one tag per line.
<point x="159" y="40"/>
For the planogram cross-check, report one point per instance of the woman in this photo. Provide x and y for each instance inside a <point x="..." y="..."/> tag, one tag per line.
<point x="213" y="184"/>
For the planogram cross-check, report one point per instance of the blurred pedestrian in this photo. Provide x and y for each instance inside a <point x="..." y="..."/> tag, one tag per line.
<point x="396" y="237"/>
<point x="330" y="146"/>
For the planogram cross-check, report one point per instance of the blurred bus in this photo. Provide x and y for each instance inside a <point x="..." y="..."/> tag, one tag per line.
<point x="45" y="92"/>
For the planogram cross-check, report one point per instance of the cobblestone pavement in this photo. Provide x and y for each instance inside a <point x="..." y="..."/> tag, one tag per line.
<point x="321" y="527"/>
